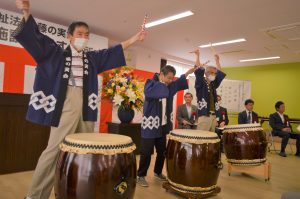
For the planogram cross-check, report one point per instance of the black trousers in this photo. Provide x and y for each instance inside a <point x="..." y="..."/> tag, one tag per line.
<point x="285" y="138"/>
<point x="220" y="134"/>
<point x="147" y="149"/>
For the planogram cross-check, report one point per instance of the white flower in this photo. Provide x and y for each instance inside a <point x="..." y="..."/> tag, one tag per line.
<point x="131" y="95"/>
<point x="123" y="80"/>
<point x="118" y="99"/>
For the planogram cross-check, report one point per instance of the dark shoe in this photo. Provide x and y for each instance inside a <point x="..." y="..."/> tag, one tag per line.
<point x="297" y="154"/>
<point x="282" y="154"/>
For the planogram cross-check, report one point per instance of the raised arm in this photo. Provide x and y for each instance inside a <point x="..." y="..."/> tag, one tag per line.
<point x="28" y="35"/>
<point x="217" y="60"/>
<point x="155" y="90"/>
<point x="140" y="36"/>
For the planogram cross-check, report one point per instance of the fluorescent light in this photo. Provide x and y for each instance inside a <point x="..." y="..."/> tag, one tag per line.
<point x="223" y="43"/>
<point x="168" y="19"/>
<point x="258" y="59"/>
<point x="179" y="62"/>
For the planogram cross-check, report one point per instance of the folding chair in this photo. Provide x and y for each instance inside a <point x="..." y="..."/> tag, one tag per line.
<point x="270" y="139"/>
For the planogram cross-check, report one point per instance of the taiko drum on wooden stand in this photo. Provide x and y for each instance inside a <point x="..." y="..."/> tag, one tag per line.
<point x="96" y="166"/>
<point x="193" y="163"/>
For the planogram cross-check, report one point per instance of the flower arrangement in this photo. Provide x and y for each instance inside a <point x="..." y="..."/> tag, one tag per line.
<point x="123" y="88"/>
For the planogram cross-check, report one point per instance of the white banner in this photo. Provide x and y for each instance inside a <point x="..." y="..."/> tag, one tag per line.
<point x="29" y="79"/>
<point x="10" y="20"/>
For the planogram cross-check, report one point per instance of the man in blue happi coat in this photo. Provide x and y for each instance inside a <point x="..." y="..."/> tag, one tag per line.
<point x="158" y="119"/>
<point x="65" y="92"/>
<point x="208" y="79"/>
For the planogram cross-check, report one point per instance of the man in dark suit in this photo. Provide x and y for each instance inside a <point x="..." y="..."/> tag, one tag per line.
<point x="248" y="116"/>
<point x="222" y="116"/>
<point x="282" y="128"/>
<point x="187" y="113"/>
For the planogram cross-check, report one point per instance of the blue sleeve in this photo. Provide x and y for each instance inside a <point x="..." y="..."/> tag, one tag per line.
<point x="155" y="90"/>
<point x="219" y="78"/>
<point x="199" y="78"/>
<point x="179" y="84"/>
<point x="37" y="44"/>
<point x="107" y="59"/>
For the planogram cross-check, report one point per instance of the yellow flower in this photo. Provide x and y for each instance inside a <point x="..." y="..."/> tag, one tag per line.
<point x="113" y="84"/>
<point x="109" y="91"/>
<point x="123" y="88"/>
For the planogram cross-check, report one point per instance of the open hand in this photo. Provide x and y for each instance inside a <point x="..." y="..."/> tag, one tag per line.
<point x="196" y="52"/>
<point x="23" y="5"/>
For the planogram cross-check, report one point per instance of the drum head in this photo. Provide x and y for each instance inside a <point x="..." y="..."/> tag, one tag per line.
<point x="242" y="128"/>
<point x="194" y="133"/>
<point x="97" y="143"/>
<point x="98" y="138"/>
<point x="193" y="136"/>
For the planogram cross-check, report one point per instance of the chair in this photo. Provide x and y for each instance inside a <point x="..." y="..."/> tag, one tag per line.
<point x="271" y="139"/>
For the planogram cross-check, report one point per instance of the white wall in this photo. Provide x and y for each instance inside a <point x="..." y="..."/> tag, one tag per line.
<point x="146" y="59"/>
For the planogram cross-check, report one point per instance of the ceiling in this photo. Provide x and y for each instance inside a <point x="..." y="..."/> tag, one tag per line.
<point x="271" y="27"/>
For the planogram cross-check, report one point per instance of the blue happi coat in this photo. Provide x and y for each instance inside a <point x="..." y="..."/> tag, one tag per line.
<point x="202" y="88"/>
<point x="53" y="72"/>
<point x="154" y="91"/>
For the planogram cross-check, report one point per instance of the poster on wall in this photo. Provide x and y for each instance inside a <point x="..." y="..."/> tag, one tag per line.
<point x="233" y="93"/>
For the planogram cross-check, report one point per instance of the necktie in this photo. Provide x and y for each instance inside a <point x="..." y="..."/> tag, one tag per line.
<point x="249" y="118"/>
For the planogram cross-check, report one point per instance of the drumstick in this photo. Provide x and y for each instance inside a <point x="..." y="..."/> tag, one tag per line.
<point x="144" y="22"/>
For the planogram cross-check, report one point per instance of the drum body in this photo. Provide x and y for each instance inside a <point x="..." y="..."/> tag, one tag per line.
<point x="193" y="160"/>
<point x="96" y="166"/>
<point x="245" y="144"/>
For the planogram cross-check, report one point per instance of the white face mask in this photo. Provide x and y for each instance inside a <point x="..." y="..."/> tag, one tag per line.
<point x="80" y="43"/>
<point x="211" y="77"/>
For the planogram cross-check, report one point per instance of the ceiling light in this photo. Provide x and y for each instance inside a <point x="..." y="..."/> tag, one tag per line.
<point x="258" y="59"/>
<point x="222" y="43"/>
<point x="168" y="19"/>
<point x="179" y="62"/>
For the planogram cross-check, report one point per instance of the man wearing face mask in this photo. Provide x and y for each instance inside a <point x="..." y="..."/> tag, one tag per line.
<point x="158" y="119"/>
<point x="65" y="88"/>
<point x="206" y="92"/>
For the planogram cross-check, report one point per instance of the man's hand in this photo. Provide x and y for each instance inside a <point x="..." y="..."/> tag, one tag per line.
<point x="140" y="36"/>
<point x="197" y="62"/>
<point x="184" y="122"/>
<point x="196" y="52"/>
<point x="222" y="124"/>
<point x="23" y="5"/>
<point x="287" y="129"/>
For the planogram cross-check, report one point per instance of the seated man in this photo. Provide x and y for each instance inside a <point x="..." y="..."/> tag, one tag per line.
<point x="282" y="128"/>
<point x="187" y="113"/>
<point x="248" y="116"/>
<point x="222" y="116"/>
